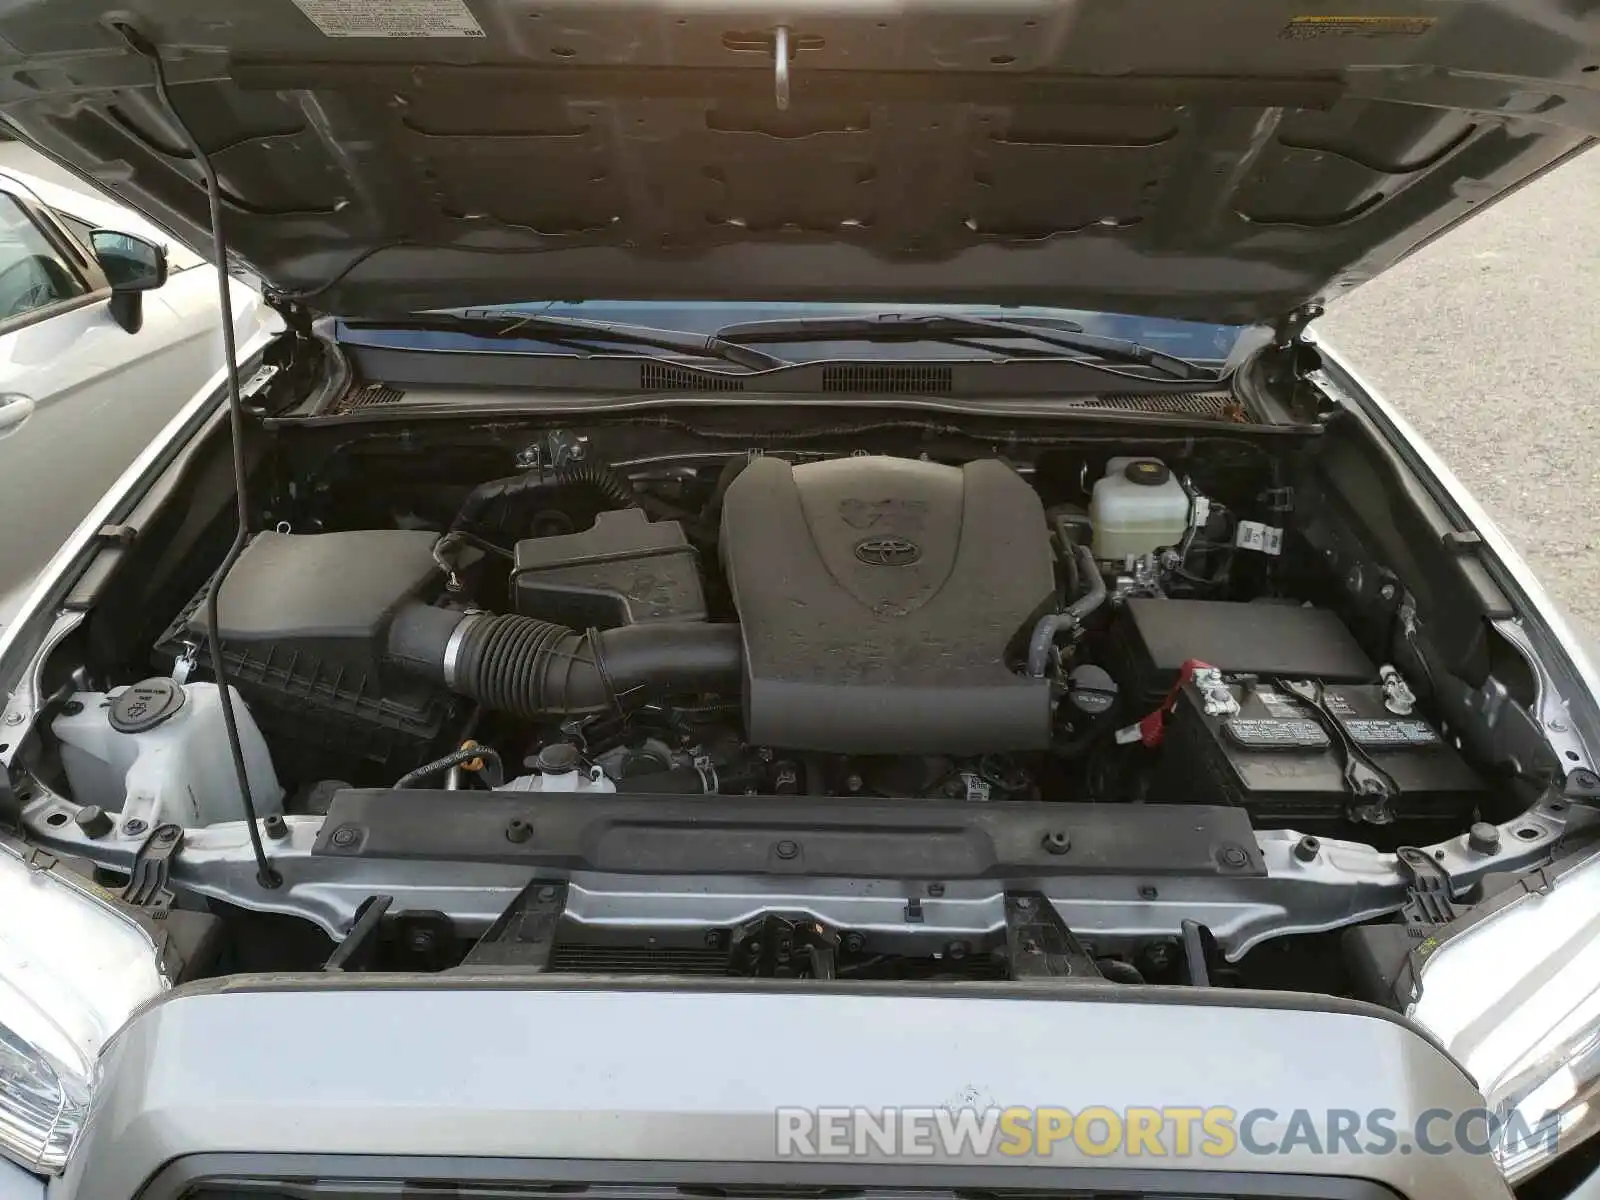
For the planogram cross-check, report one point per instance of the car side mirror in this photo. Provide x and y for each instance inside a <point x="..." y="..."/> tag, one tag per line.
<point x="132" y="265"/>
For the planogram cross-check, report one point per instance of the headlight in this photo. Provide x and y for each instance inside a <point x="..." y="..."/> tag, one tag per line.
<point x="1517" y="1000"/>
<point x="73" y="969"/>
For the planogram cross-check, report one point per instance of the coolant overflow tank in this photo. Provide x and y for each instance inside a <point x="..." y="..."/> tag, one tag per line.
<point x="157" y="752"/>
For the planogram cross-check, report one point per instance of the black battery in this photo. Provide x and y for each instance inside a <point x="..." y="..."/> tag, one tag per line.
<point x="1278" y="758"/>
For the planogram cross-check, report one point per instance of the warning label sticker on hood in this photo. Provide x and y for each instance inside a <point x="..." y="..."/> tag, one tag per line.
<point x="392" y="18"/>
<point x="1300" y="28"/>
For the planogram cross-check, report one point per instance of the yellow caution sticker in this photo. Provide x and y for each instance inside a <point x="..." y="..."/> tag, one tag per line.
<point x="1304" y="28"/>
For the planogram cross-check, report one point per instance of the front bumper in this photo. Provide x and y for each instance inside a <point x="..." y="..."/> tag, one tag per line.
<point x="562" y="1080"/>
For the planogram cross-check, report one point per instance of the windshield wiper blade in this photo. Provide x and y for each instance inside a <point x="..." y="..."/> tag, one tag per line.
<point x="959" y="328"/>
<point x="500" y="323"/>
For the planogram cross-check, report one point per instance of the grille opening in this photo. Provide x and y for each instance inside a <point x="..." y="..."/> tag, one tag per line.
<point x="638" y="960"/>
<point x="887" y="378"/>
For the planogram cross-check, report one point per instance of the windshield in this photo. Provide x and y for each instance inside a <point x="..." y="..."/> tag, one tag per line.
<point x="1185" y="339"/>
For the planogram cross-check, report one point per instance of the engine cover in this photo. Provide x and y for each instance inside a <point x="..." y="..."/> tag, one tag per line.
<point x="878" y="598"/>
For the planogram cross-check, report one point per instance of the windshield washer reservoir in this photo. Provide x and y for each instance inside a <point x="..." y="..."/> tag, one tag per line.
<point x="156" y="752"/>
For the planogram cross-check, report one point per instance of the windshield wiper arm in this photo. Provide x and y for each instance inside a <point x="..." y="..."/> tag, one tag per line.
<point x="499" y="323"/>
<point x="958" y="328"/>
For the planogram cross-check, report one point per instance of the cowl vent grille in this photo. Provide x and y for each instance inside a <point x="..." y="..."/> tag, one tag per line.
<point x="887" y="378"/>
<point x="1216" y="406"/>
<point x="371" y="396"/>
<point x="669" y="377"/>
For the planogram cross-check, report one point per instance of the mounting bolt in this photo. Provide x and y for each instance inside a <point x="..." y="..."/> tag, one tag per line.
<point x="14" y="717"/>
<point x="93" y="820"/>
<point x="1557" y="724"/>
<point x="134" y="828"/>
<point x="275" y="827"/>
<point x="1025" y="903"/>
<point x="518" y="830"/>
<point x="1387" y="592"/>
<point x="713" y="939"/>
<point x="1147" y="892"/>
<point x="421" y="941"/>
<point x="854" y="783"/>
<point x="72" y="708"/>
<point x="786" y="849"/>
<point x="1306" y="848"/>
<point x="1484" y="838"/>
<point x="167" y="834"/>
<point x="1233" y="856"/>
<point x="547" y="893"/>
<point x="853" y="942"/>
<point x="936" y="889"/>
<point x="346" y="836"/>
<point x="1057" y="841"/>
<point x="956" y="950"/>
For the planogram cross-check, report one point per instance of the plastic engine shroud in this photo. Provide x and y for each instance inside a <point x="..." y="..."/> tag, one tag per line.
<point x="879" y="598"/>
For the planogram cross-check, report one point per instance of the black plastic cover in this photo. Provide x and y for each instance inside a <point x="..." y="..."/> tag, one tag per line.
<point x="304" y="622"/>
<point x="880" y="599"/>
<point x="899" y="838"/>
<point x="625" y="569"/>
<point x="1153" y="638"/>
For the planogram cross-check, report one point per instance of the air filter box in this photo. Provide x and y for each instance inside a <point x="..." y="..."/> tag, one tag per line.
<point x="303" y="624"/>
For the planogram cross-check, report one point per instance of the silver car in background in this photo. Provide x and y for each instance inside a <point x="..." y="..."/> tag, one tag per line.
<point x="80" y="391"/>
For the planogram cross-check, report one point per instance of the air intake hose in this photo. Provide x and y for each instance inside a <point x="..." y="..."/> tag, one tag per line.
<point x="487" y="505"/>
<point x="535" y="669"/>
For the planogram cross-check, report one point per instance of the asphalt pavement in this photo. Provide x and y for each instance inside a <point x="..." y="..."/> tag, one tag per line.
<point x="1489" y="342"/>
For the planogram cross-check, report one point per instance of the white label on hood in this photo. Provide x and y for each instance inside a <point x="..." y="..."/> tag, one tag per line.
<point x="392" y="18"/>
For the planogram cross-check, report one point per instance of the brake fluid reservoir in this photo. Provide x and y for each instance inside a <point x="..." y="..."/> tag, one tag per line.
<point x="1137" y="507"/>
<point x="158" y="752"/>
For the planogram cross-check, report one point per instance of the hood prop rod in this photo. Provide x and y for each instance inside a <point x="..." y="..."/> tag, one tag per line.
<point x="266" y="875"/>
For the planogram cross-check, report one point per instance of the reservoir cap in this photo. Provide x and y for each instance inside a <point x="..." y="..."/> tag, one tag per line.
<point x="1146" y="471"/>
<point x="558" y="758"/>
<point x="146" y="704"/>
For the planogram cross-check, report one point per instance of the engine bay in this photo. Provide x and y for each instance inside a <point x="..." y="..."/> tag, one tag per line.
<point x="887" y="701"/>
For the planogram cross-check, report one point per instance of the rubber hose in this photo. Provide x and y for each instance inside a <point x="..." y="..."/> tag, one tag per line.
<point x="1069" y="558"/>
<point x="504" y="493"/>
<point x="493" y="774"/>
<point x="1044" y="633"/>
<point x="535" y="669"/>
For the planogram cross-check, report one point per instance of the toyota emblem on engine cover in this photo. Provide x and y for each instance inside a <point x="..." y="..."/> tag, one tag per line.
<point x="887" y="551"/>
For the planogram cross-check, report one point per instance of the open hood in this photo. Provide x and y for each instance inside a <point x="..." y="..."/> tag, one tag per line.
<point x="1229" y="162"/>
